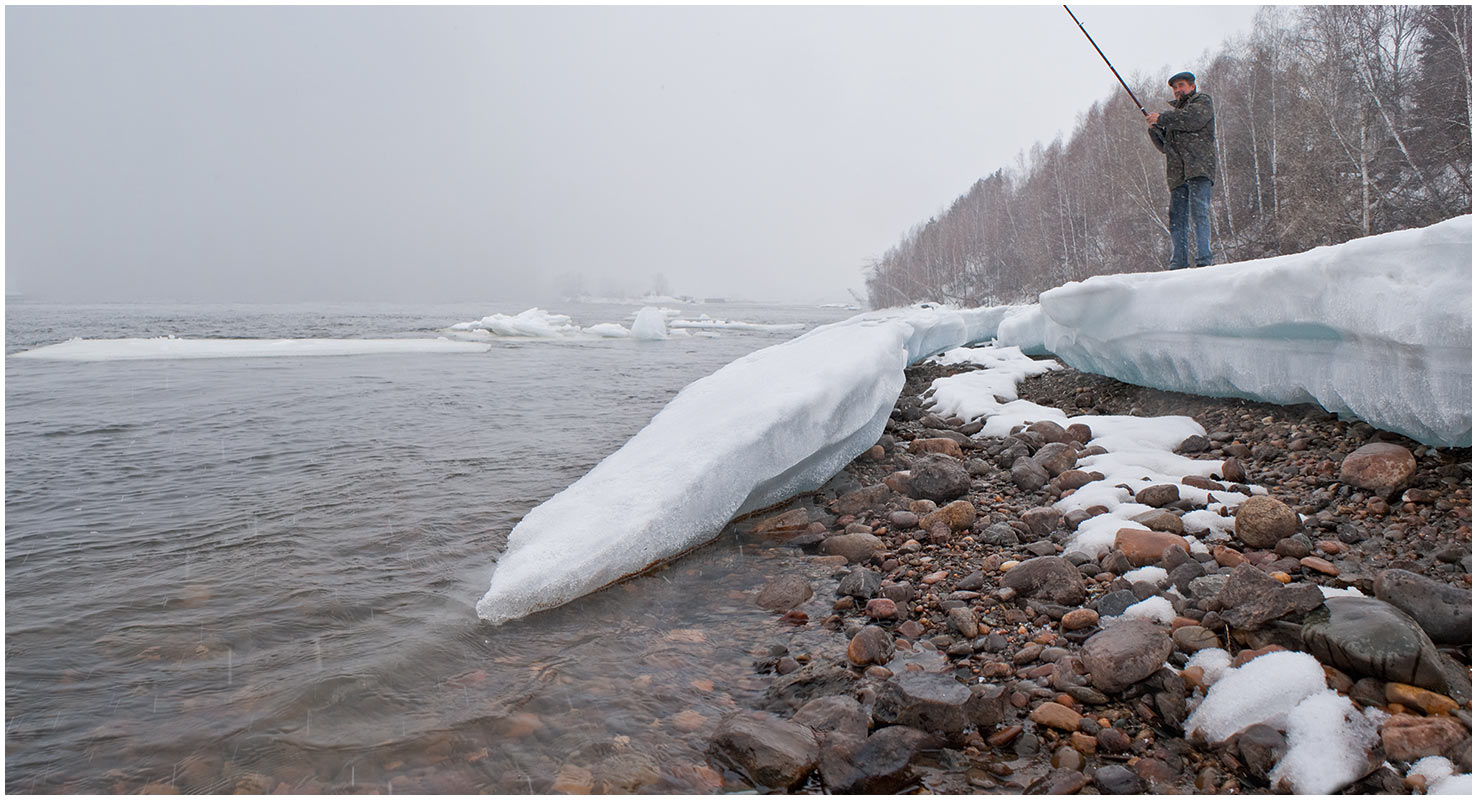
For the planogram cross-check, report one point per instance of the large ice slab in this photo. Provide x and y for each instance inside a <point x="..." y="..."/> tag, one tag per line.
<point x="774" y="423"/>
<point x="169" y="347"/>
<point x="1378" y="328"/>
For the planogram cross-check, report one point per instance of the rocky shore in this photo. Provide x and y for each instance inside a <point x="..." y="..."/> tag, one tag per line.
<point x="971" y="652"/>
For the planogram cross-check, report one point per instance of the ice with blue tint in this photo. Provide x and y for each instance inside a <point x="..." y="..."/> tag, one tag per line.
<point x="1378" y="328"/>
<point x="774" y="423"/>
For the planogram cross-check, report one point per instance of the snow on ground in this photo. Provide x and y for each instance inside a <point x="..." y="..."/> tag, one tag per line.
<point x="1140" y="449"/>
<point x="1378" y="328"/>
<point x="1328" y="742"/>
<point x="169" y="347"/>
<point x="1213" y="660"/>
<point x="1438" y="772"/>
<point x="1263" y="690"/>
<point x="824" y="399"/>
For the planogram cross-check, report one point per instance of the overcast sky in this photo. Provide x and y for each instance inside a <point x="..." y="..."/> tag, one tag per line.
<point x="279" y="154"/>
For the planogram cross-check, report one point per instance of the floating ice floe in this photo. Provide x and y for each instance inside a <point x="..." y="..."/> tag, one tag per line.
<point x="534" y="323"/>
<point x="649" y="324"/>
<point x="705" y="322"/>
<point x="823" y="398"/>
<point x="169" y="347"/>
<point x="1378" y="328"/>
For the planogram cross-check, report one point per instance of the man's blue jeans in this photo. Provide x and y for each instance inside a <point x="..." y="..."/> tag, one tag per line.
<point x="1191" y="198"/>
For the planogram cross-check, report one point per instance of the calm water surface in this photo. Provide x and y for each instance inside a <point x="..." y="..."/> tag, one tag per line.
<point x="259" y="574"/>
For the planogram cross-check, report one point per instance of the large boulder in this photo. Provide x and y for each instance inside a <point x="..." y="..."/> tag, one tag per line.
<point x="784" y="593"/>
<point x="931" y="701"/>
<point x="1443" y="611"/>
<point x="957" y="515"/>
<point x="1056" y="458"/>
<point x="1367" y="636"/>
<point x="772" y="753"/>
<point x="939" y="478"/>
<point x="879" y="764"/>
<point x="860" y="583"/>
<point x="864" y="499"/>
<point x="1407" y="737"/>
<point x="839" y="714"/>
<point x="856" y="547"/>
<point x="1144" y="548"/>
<point x="1050" y="578"/>
<point x="1028" y="475"/>
<point x="1380" y="467"/>
<point x="1125" y="653"/>
<point x="870" y="645"/>
<point x="1042" y="521"/>
<point x="942" y="446"/>
<point x="1250" y="598"/>
<point x="1262" y="521"/>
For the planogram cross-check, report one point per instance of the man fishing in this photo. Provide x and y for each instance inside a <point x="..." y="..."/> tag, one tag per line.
<point x="1186" y="136"/>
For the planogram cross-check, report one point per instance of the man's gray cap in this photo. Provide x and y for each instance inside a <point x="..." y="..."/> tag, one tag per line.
<point x="1182" y="76"/>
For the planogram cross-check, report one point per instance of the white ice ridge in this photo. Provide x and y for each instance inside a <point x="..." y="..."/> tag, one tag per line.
<point x="774" y="423"/>
<point x="169" y="347"/>
<point x="1378" y="328"/>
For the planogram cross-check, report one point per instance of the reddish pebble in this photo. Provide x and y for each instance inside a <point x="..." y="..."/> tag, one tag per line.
<point x="935" y="577"/>
<point x="1003" y="736"/>
<point x="1080" y="618"/>
<point x="1319" y="565"/>
<point x="1247" y="655"/>
<point x="1226" y="556"/>
<point x="881" y="608"/>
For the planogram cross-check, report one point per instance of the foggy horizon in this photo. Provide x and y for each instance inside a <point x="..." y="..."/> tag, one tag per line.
<point x="416" y="155"/>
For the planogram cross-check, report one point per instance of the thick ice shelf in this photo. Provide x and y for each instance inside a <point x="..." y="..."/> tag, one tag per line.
<point x="1378" y="328"/>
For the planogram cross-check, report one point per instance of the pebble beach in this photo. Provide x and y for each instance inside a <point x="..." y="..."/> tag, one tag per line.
<point x="975" y="648"/>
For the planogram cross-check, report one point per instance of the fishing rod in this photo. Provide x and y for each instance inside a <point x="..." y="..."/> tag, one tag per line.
<point x="1106" y="61"/>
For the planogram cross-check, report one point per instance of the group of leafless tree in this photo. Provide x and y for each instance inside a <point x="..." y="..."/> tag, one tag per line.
<point x="1333" y="122"/>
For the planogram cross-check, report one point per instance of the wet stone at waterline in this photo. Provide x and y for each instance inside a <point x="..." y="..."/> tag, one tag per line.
<point x="1365" y="636"/>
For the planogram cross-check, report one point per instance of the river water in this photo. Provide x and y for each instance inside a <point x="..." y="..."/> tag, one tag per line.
<point x="259" y="574"/>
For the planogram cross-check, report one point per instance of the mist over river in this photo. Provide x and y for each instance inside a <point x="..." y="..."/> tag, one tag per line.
<point x="259" y="574"/>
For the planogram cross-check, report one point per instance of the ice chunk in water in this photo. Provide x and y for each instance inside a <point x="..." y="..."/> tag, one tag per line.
<point x="650" y="324"/>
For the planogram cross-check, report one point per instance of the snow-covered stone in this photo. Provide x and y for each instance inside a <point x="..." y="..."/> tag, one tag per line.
<point x="1329" y="744"/>
<point x="1263" y="689"/>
